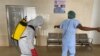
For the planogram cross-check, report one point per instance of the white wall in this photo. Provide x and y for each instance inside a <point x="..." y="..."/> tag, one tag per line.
<point x="96" y="21"/>
<point x="83" y="9"/>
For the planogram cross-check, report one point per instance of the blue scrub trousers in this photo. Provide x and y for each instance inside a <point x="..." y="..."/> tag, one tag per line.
<point x="68" y="50"/>
<point x="68" y="46"/>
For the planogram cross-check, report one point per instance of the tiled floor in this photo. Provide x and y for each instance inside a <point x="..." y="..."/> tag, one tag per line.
<point x="51" y="51"/>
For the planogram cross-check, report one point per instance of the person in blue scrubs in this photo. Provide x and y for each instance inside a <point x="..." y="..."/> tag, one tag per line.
<point x="69" y="27"/>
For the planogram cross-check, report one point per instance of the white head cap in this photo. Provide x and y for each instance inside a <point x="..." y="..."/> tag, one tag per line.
<point x="38" y="21"/>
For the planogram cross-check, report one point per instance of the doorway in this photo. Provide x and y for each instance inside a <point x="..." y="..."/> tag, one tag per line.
<point x="14" y="14"/>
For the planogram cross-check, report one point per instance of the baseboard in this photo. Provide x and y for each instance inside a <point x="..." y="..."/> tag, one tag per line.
<point x="96" y="44"/>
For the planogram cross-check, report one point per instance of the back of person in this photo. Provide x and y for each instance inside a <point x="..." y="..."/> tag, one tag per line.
<point x="26" y="43"/>
<point x="69" y="26"/>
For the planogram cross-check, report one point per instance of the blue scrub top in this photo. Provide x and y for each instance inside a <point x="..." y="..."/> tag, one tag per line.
<point x="69" y="27"/>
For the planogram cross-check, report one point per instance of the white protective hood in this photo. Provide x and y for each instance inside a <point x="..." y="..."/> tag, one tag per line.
<point x="38" y="21"/>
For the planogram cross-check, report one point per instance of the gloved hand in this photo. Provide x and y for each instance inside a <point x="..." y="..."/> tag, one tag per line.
<point x="34" y="52"/>
<point x="98" y="29"/>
